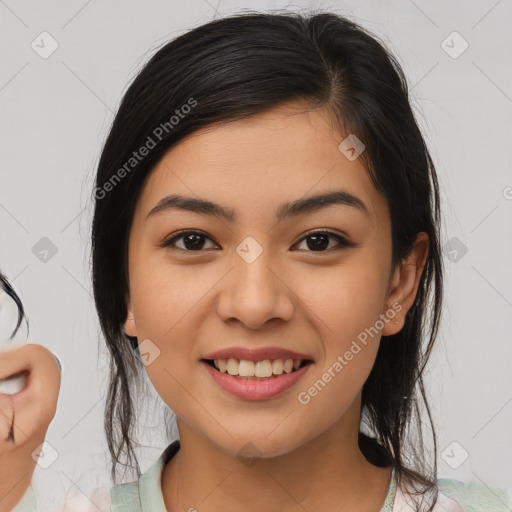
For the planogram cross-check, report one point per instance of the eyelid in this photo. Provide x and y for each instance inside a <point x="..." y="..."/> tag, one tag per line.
<point x="168" y="241"/>
<point x="342" y="239"/>
<point x="321" y="231"/>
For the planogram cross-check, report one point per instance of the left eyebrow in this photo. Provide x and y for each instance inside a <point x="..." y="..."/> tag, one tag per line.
<point x="291" y="209"/>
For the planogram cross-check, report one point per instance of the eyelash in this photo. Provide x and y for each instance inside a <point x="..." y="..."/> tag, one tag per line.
<point x="342" y="241"/>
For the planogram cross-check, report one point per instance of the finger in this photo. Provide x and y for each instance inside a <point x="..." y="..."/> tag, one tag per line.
<point x="6" y="422"/>
<point x="35" y="405"/>
<point x="14" y="384"/>
<point x="18" y="357"/>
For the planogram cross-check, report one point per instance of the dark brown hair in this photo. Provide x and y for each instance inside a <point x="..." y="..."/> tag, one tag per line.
<point x="6" y="287"/>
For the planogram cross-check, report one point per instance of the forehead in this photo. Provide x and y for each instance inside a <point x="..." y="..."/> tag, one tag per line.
<point x="258" y="163"/>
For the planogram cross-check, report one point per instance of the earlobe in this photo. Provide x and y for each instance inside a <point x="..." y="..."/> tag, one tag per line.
<point x="404" y="285"/>
<point x="129" y="327"/>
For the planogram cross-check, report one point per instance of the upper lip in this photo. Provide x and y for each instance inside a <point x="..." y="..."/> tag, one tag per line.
<point x="258" y="354"/>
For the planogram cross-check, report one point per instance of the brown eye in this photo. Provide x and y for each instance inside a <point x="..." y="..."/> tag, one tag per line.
<point x="318" y="241"/>
<point x="192" y="241"/>
<point x="195" y="241"/>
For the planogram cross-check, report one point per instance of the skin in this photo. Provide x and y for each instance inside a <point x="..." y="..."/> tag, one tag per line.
<point x="313" y="301"/>
<point x="33" y="409"/>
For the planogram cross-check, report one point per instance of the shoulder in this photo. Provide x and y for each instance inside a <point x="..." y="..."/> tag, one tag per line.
<point x="455" y="496"/>
<point x="476" y="496"/>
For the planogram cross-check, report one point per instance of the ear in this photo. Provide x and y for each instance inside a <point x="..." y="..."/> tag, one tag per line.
<point x="404" y="284"/>
<point x="129" y="327"/>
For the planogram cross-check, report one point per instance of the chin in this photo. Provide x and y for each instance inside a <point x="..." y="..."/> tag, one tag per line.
<point x="258" y="445"/>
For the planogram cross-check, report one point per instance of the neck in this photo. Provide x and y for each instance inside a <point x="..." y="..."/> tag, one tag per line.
<point x="329" y="472"/>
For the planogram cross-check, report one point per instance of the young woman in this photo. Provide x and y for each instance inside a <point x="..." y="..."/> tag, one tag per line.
<point x="266" y="248"/>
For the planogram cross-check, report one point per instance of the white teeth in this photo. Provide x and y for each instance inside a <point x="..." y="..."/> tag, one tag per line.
<point x="246" y="369"/>
<point x="277" y="367"/>
<point x="232" y="367"/>
<point x="288" y="366"/>
<point x="262" y="368"/>
<point x="266" y="368"/>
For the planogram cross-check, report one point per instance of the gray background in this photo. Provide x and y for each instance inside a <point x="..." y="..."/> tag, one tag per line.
<point x="55" y="113"/>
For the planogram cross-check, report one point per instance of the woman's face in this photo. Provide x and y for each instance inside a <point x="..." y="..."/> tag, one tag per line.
<point x="259" y="279"/>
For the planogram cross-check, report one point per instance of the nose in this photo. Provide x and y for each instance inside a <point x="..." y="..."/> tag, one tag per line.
<point x="254" y="293"/>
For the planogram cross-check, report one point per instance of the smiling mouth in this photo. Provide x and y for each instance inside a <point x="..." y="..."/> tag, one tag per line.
<point x="268" y="370"/>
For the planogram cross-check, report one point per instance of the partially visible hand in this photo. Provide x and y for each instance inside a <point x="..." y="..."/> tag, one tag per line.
<point x="25" y="416"/>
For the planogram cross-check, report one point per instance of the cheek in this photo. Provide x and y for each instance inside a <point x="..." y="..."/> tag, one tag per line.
<point x="164" y="296"/>
<point x="169" y="303"/>
<point x="345" y="311"/>
<point x="345" y="299"/>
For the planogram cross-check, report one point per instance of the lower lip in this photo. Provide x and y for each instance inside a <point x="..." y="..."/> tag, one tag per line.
<point x="256" y="389"/>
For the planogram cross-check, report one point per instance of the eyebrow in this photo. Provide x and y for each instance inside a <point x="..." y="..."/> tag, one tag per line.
<point x="286" y="210"/>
